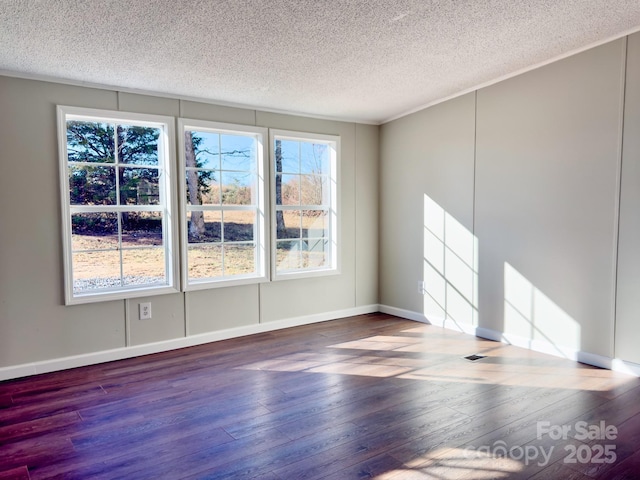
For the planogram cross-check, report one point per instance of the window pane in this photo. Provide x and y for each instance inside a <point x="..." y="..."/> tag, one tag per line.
<point x="94" y="231"/>
<point x="141" y="229"/>
<point x="206" y="150"/>
<point x="239" y="259"/>
<point x="290" y="190"/>
<point x="288" y="255"/>
<point x="92" y="185"/>
<point x="90" y="142"/>
<point x="239" y="226"/>
<point x="96" y="270"/>
<point x="291" y="220"/>
<point x="139" y="186"/>
<point x="312" y="190"/>
<point x="314" y="158"/>
<point x="205" y="261"/>
<point x="315" y="253"/>
<point x="114" y="166"/>
<point x="237" y="188"/>
<point x="315" y="223"/>
<point x="138" y="145"/>
<point x="238" y="152"/>
<point x="202" y="187"/>
<point x="143" y="266"/>
<point x="290" y="157"/>
<point x="305" y="181"/>
<point x="204" y="226"/>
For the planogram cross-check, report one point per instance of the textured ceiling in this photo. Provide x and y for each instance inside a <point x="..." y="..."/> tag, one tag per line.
<point x="365" y="60"/>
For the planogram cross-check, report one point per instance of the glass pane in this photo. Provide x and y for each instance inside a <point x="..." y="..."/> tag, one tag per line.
<point x="96" y="270"/>
<point x="239" y="226"/>
<point x="144" y="266"/>
<point x="139" y="186"/>
<point x="312" y="190"/>
<point x="138" y="145"/>
<point x="238" y="152"/>
<point x="205" y="261"/>
<point x="92" y="185"/>
<point x="239" y="259"/>
<point x="94" y="231"/>
<point x="204" y="226"/>
<point x="288" y="255"/>
<point x="141" y="229"/>
<point x="290" y="189"/>
<point x="291" y="223"/>
<point x="315" y="253"/>
<point x="315" y="223"/>
<point x="90" y="142"/>
<point x="203" y="187"/>
<point x="314" y="158"/>
<point x="206" y="150"/>
<point x="289" y="155"/>
<point x="237" y="188"/>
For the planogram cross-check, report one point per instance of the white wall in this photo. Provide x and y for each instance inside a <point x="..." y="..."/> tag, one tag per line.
<point x="535" y="199"/>
<point x="547" y="170"/>
<point x="426" y="156"/>
<point x="627" y="334"/>
<point x="35" y="326"/>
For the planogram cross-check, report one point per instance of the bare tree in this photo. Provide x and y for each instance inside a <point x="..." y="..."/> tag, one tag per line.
<point x="279" y="214"/>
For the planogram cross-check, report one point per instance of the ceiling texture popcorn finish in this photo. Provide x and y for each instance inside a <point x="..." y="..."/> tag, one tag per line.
<point x="356" y="60"/>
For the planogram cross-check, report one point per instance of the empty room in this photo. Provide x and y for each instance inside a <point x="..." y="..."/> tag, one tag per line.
<point x="319" y="239"/>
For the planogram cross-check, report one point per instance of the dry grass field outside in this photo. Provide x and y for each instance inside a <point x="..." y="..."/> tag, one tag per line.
<point x="143" y="259"/>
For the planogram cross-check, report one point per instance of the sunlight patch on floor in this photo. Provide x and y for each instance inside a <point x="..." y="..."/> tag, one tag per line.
<point x="455" y="463"/>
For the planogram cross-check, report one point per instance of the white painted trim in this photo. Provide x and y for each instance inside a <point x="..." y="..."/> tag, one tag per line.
<point x="625" y="367"/>
<point x="515" y="340"/>
<point x="334" y="208"/>
<point x="261" y="190"/>
<point x="46" y="366"/>
<point x="166" y="170"/>
<point x="402" y="313"/>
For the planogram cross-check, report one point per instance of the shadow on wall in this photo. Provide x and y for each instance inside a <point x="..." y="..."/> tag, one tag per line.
<point x="450" y="289"/>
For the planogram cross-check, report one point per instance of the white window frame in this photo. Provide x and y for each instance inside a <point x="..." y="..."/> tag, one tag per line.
<point x="166" y="146"/>
<point x="335" y="244"/>
<point x="261" y="237"/>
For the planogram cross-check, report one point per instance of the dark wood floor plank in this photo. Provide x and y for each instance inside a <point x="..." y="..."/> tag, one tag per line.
<point x="373" y="442"/>
<point x="361" y="397"/>
<point x="31" y="428"/>
<point x="20" y="473"/>
<point x="5" y="401"/>
<point x="370" y="468"/>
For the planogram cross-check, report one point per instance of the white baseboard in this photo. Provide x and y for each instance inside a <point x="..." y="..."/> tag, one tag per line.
<point x="408" y="314"/>
<point x="535" y="345"/>
<point x="46" y="366"/>
<point x="626" y="367"/>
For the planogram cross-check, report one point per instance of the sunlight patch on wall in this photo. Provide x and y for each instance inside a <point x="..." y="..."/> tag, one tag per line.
<point x="530" y="314"/>
<point x="450" y="271"/>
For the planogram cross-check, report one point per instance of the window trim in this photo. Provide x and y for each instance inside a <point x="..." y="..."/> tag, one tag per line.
<point x="263" y="221"/>
<point x="334" y="206"/>
<point x="169" y="206"/>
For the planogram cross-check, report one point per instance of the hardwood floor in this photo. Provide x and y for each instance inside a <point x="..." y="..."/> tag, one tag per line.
<point x="371" y="396"/>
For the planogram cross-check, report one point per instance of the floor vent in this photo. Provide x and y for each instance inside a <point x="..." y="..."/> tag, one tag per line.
<point x="473" y="358"/>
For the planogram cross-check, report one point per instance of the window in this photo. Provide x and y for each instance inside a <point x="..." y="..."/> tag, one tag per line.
<point x="222" y="190"/>
<point x="305" y="203"/>
<point x="115" y="176"/>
